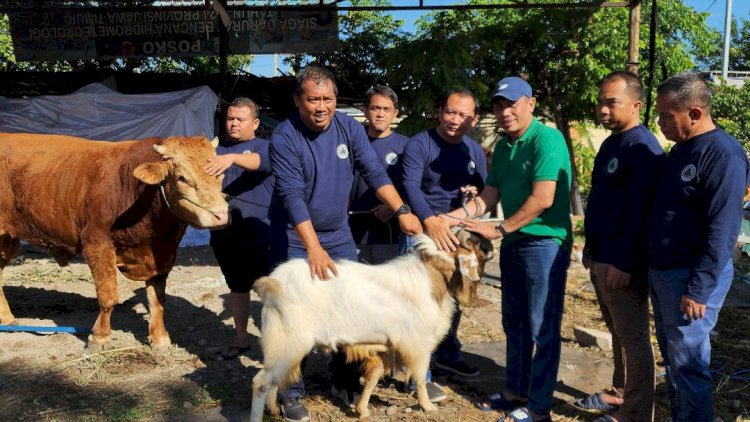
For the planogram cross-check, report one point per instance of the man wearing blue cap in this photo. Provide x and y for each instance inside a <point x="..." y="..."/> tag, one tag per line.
<point x="530" y="176"/>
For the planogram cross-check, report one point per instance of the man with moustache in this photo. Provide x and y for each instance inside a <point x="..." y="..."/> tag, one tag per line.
<point x="530" y="176"/>
<point x="313" y="157"/>
<point x="241" y="249"/>
<point x="692" y="230"/>
<point x="622" y="189"/>
<point x="373" y="228"/>
<point x="437" y="164"/>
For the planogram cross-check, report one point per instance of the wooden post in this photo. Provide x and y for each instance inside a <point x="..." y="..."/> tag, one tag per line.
<point x="634" y="36"/>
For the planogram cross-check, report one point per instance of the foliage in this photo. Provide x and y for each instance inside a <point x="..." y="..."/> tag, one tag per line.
<point x="584" y="155"/>
<point x="365" y="36"/>
<point x="739" y="51"/>
<point x="730" y="108"/>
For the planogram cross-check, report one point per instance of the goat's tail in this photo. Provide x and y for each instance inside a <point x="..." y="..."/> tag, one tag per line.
<point x="267" y="285"/>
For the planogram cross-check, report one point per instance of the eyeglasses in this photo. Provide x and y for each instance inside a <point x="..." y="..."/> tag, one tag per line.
<point x="376" y="109"/>
<point x="451" y="114"/>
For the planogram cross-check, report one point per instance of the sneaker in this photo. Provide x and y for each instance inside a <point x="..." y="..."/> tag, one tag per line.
<point x="293" y="410"/>
<point x="349" y="398"/>
<point x="435" y="392"/>
<point x="458" y="367"/>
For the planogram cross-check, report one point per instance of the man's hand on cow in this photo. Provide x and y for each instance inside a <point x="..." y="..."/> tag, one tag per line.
<point x="440" y="232"/>
<point x="483" y="228"/>
<point x="382" y="212"/>
<point x="617" y="279"/>
<point x="320" y="262"/>
<point x="219" y="164"/>
<point x="691" y="309"/>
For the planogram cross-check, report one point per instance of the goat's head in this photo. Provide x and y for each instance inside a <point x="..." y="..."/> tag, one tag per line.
<point x="462" y="269"/>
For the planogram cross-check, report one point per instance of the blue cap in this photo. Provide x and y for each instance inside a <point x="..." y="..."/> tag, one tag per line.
<point x="512" y="88"/>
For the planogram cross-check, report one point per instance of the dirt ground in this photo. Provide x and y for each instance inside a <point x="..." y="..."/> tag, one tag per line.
<point x="52" y="377"/>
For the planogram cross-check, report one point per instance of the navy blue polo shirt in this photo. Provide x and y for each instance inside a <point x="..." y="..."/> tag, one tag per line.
<point x="314" y="174"/>
<point x="366" y="228"/>
<point x="435" y="169"/>
<point x="623" y="182"/>
<point x="250" y="196"/>
<point x="697" y="211"/>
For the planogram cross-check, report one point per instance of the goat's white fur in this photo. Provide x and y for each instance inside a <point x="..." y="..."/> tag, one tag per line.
<point x="392" y="306"/>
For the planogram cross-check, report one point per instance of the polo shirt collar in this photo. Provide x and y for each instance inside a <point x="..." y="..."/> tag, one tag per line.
<point x="533" y="128"/>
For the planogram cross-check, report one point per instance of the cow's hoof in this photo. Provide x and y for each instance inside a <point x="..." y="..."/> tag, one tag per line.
<point x="161" y="350"/>
<point x="97" y="343"/>
<point x="92" y="347"/>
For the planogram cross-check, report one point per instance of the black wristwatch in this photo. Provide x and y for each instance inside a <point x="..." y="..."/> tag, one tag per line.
<point x="501" y="229"/>
<point x="403" y="209"/>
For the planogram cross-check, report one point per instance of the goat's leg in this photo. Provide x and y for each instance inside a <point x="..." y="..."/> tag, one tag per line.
<point x="271" y="404"/>
<point x="262" y="385"/>
<point x="421" y="365"/>
<point x="9" y="247"/>
<point x="372" y="371"/>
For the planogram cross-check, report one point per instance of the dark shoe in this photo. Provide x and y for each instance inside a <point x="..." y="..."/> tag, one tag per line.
<point x="231" y="352"/>
<point x="605" y="418"/>
<point x="458" y="367"/>
<point x="500" y="402"/>
<point x="522" y="414"/>
<point x="293" y="410"/>
<point x="595" y="404"/>
<point x="349" y="398"/>
<point x="435" y="392"/>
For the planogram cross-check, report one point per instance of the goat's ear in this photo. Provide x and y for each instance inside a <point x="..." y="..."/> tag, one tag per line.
<point x="442" y="265"/>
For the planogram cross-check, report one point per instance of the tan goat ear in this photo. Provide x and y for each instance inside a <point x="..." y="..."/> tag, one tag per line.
<point x="215" y="142"/>
<point x="151" y="173"/>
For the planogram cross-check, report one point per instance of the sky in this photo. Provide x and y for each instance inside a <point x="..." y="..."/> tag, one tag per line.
<point x="263" y="65"/>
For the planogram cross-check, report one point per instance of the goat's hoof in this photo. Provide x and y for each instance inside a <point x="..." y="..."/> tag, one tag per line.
<point x="274" y="410"/>
<point x="431" y="408"/>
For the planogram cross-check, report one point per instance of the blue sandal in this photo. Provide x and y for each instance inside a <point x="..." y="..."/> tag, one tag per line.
<point x="595" y="403"/>
<point x="522" y="415"/>
<point x="499" y="402"/>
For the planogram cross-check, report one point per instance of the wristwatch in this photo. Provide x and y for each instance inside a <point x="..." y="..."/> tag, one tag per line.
<point x="403" y="209"/>
<point x="501" y="229"/>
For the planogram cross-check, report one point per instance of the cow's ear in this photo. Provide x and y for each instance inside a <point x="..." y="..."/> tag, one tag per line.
<point x="151" y="173"/>
<point x="215" y="142"/>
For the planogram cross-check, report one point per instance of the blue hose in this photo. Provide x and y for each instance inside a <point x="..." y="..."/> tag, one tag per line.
<point x="74" y="330"/>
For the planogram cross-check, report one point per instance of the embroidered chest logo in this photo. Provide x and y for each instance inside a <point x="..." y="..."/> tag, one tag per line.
<point x="688" y="173"/>
<point x="471" y="167"/>
<point x="391" y="158"/>
<point x="342" y="151"/>
<point x="612" y="165"/>
<point x="247" y="151"/>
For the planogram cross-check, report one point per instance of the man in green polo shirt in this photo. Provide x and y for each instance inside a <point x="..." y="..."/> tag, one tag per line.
<point x="530" y="176"/>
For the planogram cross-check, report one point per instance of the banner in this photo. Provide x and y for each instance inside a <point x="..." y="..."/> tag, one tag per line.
<point x="91" y="33"/>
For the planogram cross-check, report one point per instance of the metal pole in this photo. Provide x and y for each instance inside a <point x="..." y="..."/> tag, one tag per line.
<point x="727" y="35"/>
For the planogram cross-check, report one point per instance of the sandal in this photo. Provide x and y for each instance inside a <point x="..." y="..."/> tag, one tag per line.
<point x="231" y="352"/>
<point x="499" y="402"/>
<point x="595" y="403"/>
<point x="523" y="414"/>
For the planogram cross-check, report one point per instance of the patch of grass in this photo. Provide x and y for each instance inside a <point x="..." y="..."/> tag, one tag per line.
<point x="132" y="413"/>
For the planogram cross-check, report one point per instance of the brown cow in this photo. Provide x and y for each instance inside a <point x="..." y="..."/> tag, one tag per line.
<point x="125" y="205"/>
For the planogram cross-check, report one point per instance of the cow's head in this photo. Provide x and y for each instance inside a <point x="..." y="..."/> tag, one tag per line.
<point x="191" y="194"/>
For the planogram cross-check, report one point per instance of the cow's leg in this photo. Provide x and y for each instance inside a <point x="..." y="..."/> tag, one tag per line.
<point x="155" y="290"/>
<point x="101" y="259"/>
<point x="373" y="371"/>
<point x="9" y="247"/>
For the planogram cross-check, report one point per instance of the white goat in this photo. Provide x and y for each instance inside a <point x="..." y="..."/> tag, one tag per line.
<point x="404" y="307"/>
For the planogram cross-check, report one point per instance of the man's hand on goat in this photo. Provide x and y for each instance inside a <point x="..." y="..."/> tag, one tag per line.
<point x="320" y="263"/>
<point x="410" y="224"/>
<point x="440" y="232"/>
<point x="483" y="228"/>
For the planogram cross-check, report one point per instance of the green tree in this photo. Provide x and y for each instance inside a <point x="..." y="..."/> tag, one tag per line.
<point x="365" y="37"/>
<point x="730" y="108"/>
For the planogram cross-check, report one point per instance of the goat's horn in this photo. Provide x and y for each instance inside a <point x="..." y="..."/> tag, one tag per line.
<point x="464" y="239"/>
